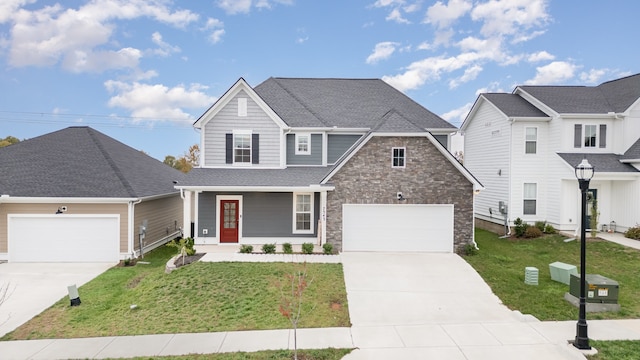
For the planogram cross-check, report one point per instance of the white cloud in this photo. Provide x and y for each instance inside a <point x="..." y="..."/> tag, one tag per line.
<point x="457" y="116"/>
<point x="540" y="56"/>
<point x="382" y="51"/>
<point x="429" y="69"/>
<point x="593" y="76"/>
<point x="424" y="46"/>
<point x="9" y="7"/>
<point x="157" y="102"/>
<point x="164" y="49"/>
<point x="385" y="3"/>
<point x="553" y="73"/>
<point x="470" y="73"/>
<point x="443" y="15"/>
<point x="53" y="34"/>
<point x="396" y="16"/>
<point x="510" y="17"/>
<point x="233" y="7"/>
<point x="218" y="31"/>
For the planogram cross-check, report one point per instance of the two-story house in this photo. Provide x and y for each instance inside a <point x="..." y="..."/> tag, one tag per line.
<point x="352" y="162"/>
<point x="524" y="146"/>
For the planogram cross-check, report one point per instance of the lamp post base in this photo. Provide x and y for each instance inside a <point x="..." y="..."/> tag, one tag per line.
<point x="582" y="340"/>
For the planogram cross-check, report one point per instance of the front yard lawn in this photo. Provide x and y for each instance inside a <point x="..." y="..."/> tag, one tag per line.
<point x="501" y="263"/>
<point x="200" y="297"/>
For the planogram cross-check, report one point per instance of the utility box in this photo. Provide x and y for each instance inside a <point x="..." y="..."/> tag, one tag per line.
<point x="561" y="272"/>
<point x="599" y="289"/>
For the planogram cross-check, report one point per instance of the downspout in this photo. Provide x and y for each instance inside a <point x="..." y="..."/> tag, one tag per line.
<point x="132" y="225"/>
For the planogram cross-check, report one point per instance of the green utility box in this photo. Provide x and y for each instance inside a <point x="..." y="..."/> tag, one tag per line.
<point x="599" y="289"/>
<point x="561" y="272"/>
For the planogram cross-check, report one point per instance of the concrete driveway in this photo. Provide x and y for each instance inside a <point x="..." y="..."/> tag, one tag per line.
<point x="33" y="287"/>
<point x="435" y="306"/>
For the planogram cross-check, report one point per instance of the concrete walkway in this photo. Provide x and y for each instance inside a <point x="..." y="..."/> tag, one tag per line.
<point x="413" y="324"/>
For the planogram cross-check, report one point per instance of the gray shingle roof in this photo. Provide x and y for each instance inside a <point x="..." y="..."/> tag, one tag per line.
<point x="612" y="96"/>
<point x="81" y="162"/>
<point x="291" y="176"/>
<point x="633" y="153"/>
<point x="600" y="162"/>
<point x="345" y="103"/>
<point x="513" y="105"/>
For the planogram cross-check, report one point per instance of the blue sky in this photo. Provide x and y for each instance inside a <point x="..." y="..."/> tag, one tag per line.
<point x="142" y="71"/>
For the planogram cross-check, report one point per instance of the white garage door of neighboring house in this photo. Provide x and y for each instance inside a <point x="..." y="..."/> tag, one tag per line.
<point x="64" y="238"/>
<point x="402" y="228"/>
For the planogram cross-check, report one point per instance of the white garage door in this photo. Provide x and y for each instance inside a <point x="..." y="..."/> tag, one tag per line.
<point x="64" y="238"/>
<point x="402" y="228"/>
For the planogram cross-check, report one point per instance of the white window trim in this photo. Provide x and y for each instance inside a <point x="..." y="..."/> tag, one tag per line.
<point x="242" y="107"/>
<point x="242" y="132"/>
<point x="584" y="134"/>
<point x="300" y="136"/>
<point x="311" y="213"/>
<point x="526" y="141"/>
<point x="404" y="155"/>
<point x="525" y="198"/>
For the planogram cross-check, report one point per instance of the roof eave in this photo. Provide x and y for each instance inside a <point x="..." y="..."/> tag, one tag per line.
<point x="300" y="188"/>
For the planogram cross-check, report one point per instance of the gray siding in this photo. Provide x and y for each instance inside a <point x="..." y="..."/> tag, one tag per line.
<point x="338" y="145"/>
<point x="443" y="139"/>
<point x="315" y="158"/>
<point x="263" y="214"/>
<point x="227" y="120"/>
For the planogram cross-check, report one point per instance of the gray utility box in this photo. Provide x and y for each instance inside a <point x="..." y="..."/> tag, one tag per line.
<point x="599" y="289"/>
<point x="561" y="272"/>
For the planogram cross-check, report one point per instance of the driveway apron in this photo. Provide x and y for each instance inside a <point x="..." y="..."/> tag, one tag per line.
<point x="435" y="305"/>
<point x="33" y="287"/>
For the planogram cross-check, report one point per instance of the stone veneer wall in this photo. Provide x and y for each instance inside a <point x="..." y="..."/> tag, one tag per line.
<point x="428" y="178"/>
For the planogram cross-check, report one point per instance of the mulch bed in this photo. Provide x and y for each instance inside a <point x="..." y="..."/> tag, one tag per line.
<point x="188" y="259"/>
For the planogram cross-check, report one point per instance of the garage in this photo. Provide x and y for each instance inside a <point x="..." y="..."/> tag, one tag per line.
<point x="399" y="228"/>
<point x="63" y="238"/>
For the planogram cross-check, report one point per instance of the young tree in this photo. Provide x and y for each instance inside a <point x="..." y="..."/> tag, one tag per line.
<point x="9" y="140"/>
<point x="291" y="291"/>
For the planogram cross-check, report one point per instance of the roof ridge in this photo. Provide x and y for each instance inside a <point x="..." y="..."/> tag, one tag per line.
<point x="387" y="116"/>
<point x="110" y="161"/>
<point x="300" y="102"/>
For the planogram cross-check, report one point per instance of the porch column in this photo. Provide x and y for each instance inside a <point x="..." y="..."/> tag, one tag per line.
<point x="323" y="217"/>
<point x="186" y="219"/>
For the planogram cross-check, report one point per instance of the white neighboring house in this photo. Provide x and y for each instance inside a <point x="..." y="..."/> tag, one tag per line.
<point x="523" y="147"/>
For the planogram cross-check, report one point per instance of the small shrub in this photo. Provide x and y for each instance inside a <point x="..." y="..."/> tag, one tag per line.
<point x="246" y="249"/>
<point x="307" y="248"/>
<point x="269" y="248"/>
<point x="287" y="248"/>
<point x="540" y="225"/>
<point x="633" y="232"/>
<point x="532" y="232"/>
<point x="469" y="250"/>
<point x="549" y="229"/>
<point x="327" y="249"/>
<point x="520" y="227"/>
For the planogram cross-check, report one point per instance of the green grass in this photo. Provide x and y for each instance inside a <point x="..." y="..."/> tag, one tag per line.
<point x="615" y="350"/>
<point x="322" y="354"/>
<point x="501" y="262"/>
<point x="200" y="297"/>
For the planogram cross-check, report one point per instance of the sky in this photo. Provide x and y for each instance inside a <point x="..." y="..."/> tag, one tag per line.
<point x="142" y="71"/>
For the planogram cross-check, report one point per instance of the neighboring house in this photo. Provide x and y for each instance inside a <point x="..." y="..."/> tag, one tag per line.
<point x="524" y="146"/>
<point x="77" y="195"/>
<point x="325" y="160"/>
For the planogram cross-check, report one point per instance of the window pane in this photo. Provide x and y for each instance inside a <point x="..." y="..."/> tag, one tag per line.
<point x="303" y="143"/>
<point x="398" y="157"/>
<point x="529" y="191"/>
<point x="590" y="135"/>
<point x="303" y="221"/>
<point x="529" y="207"/>
<point x="531" y="134"/>
<point x="242" y="148"/>
<point x="530" y="147"/>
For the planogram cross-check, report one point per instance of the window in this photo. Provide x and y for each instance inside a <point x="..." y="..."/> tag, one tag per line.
<point x="529" y="196"/>
<point x="590" y="135"/>
<point x="398" y="157"/>
<point x="303" y="144"/>
<point x="303" y="213"/>
<point x="242" y="148"/>
<point x="531" y="140"/>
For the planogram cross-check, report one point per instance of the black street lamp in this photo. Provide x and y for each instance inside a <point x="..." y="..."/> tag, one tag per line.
<point x="584" y="173"/>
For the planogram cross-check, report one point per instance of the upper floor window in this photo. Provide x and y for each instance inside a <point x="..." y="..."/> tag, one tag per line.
<point x="529" y="198"/>
<point x="531" y="140"/>
<point x="303" y="213"/>
<point x="590" y="136"/>
<point x="303" y="144"/>
<point x="242" y="148"/>
<point x="398" y="157"/>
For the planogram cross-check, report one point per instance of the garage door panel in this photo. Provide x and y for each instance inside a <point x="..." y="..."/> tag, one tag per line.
<point x="407" y="227"/>
<point x="64" y="238"/>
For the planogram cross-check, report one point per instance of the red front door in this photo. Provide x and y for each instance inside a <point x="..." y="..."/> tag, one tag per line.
<point x="229" y="221"/>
